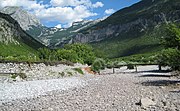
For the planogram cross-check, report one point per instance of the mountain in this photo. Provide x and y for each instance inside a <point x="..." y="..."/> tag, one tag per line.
<point x="14" y="41"/>
<point x="57" y="37"/>
<point x="49" y="36"/>
<point x="133" y="30"/>
<point x="137" y="29"/>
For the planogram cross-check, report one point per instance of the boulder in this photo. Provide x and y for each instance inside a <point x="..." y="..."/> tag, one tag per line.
<point x="146" y="102"/>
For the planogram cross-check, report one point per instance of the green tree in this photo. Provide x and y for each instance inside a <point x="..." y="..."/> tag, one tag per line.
<point x="172" y="39"/>
<point x="70" y="55"/>
<point x="44" y="53"/>
<point x="84" y="52"/>
<point x="171" y="55"/>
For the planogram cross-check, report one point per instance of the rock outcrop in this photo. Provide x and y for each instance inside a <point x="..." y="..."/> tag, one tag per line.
<point x="25" y="19"/>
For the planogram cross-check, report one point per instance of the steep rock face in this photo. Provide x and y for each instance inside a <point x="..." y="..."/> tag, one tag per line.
<point x="7" y="32"/>
<point x="26" y="20"/>
<point x="12" y="33"/>
<point x="138" y="18"/>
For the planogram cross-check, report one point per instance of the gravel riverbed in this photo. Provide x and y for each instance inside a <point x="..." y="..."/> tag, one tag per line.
<point x="121" y="91"/>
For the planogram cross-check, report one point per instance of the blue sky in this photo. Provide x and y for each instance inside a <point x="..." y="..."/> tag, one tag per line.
<point x="62" y="13"/>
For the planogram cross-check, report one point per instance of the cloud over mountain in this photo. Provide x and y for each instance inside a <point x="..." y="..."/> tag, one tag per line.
<point x="109" y="11"/>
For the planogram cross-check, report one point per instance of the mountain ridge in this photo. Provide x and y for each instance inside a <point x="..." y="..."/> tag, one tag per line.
<point x="130" y="24"/>
<point x="14" y="41"/>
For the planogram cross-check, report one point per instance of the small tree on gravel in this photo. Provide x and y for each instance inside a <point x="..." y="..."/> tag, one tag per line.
<point x="171" y="55"/>
<point x="98" y="65"/>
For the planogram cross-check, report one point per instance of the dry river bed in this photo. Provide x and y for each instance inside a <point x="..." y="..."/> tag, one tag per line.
<point x="123" y="91"/>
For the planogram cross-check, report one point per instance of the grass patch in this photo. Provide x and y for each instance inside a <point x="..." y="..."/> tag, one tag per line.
<point x="21" y="75"/>
<point x="13" y="76"/>
<point x="62" y="74"/>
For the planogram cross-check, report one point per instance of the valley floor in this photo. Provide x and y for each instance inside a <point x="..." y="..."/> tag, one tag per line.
<point x="121" y="91"/>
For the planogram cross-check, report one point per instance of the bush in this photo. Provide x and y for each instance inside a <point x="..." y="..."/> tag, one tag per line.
<point x="117" y="64"/>
<point x="98" y="65"/>
<point x="130" y="66"/>
<point x="78" y="70"/>
<point x="109" y="65"/>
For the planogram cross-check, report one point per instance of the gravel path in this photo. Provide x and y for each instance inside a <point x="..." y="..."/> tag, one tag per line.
<point x="115" y="92"/>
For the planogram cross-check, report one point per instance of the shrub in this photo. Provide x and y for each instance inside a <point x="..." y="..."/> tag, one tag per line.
<point x="79" y="70"/>
<point x="130" y="66"/>
<point x="117" y="64"/>
<point x="109" y="65"/>
<point x="98" y="65"/>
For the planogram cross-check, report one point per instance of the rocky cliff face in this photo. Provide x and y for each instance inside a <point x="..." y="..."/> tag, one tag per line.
<point x="135" y="19"/>
<point x="12" y="33"/>
<point x="26" y="20"/>
<point x="8" y="32"/>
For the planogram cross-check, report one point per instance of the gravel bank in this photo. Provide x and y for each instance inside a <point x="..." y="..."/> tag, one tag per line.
<point x="32" y="89"/>
<point x="115" y="92"/>
<point x="36" y="71"/>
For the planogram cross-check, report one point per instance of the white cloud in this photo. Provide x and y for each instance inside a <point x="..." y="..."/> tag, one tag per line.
<point x="61" y="11"/>
<point x="98" y="4"/>
<point x="63" y="3"/>
<point x="64" y="14"/>
<point x="27" y="4"/>
<point x="109" y="11"/>
<point x="58" y="26"/>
